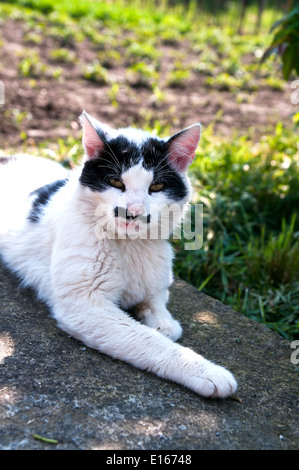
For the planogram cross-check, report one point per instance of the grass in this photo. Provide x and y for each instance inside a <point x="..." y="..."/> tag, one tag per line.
<point x="248" y="183"/>
<point x="250" y="254"/>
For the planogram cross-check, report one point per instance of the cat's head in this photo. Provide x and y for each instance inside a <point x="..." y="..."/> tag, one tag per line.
<point x="137" y="182"/>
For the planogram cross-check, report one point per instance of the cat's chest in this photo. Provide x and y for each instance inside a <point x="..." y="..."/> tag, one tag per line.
<point x="137" y="270"/>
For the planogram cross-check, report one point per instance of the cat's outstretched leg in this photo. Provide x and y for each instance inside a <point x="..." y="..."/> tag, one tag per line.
<point x="109" y="330"/>
<point x="153" y="313"/>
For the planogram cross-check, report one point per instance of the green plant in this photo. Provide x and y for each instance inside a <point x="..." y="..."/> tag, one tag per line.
<point x="142" y="74"/>
<point x="286" y="43"/>
<point x="227" y="82"/>
<point x="33" y="37"/>
<point x="138" y="50"/>
<point x="109" y="58"/>
<point x="112" y="93"/>
<point x="31" y="65"/>
<point x="178" y="78"/>
<point x="63" y="56"/>
<point x="273" y="257"/>
<point x="250" y="253"/>
<point x="96" y="73"/>
<point x="275" y="83"/>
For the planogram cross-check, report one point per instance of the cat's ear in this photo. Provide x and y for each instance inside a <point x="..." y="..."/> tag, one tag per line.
<point x="93" y="138"/>
<point x="182" y="147"/>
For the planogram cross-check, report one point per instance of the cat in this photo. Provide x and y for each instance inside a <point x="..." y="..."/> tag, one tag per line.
<point x="81" y="239"/>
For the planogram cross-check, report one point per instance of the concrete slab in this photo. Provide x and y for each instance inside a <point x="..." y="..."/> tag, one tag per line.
<point x="53" y="386"/>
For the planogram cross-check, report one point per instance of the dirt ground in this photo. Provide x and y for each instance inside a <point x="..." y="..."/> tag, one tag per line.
<point x="44" y="108"/>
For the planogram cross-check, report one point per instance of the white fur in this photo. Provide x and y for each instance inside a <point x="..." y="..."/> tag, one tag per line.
<point x="88" y="280"/>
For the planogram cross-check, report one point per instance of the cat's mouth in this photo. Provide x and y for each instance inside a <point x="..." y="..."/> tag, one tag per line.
<point x="127" y="218"/>
<point x="129" y="223"/>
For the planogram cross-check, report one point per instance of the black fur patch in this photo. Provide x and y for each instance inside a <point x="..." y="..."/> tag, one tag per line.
<point x="120" y="154"/>
<point x="117" y="157"/>
<point x="4" y="160"/>
<point x="43" y="195"/>
<point x="154" y="153"/>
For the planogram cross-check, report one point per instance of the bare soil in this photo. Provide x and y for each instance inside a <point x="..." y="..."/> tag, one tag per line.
<point x="39" y="108"/>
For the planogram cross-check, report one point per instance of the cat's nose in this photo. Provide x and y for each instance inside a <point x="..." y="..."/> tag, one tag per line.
<point x="132" y="213"/>
<point x="136" y="209"/>
<point x="124" y="213"/>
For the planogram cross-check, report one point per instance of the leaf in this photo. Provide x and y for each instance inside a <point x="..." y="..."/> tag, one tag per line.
<point x="285" y="19"/>
<point x="282" y="36"/>
<point x="207" y="280"/>
<point x="270" y="50"/>
<point x="236" y="398"/>
<point x="289" y="60"/>
<point x="45" y="439"/>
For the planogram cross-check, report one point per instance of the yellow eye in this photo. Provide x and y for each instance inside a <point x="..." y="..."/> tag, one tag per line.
<point x="155" y="188"/>
<point x="117" y="184"/>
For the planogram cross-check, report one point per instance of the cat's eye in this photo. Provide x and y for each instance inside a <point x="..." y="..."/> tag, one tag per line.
<point x="116" y="183"/>
<point x="155" y="188"/>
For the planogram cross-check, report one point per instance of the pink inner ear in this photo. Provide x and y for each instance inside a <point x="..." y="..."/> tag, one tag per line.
<point x="182" y="147"/>
<point x="92" y="142"/>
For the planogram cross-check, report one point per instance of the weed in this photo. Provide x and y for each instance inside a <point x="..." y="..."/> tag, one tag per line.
<point x="142" y="75"/>
<point x="137" y="51"/>
<point x="63" y="56"/>
<point x="178" y="78"/>
<point x="31" y="65"/>
<point x="96" y="73"/>
<point x="109" y="58"/>
<point x="112" y="93"/>
<point x="33" y="37"/>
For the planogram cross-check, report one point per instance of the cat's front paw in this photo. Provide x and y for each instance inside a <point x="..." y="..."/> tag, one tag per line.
<point x="166" y="326"/>
<point x="170" y="328"/>
<point x="213" y="381"/>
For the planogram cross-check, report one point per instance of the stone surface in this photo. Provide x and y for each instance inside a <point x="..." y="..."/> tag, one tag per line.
<point x="53" y="386"/>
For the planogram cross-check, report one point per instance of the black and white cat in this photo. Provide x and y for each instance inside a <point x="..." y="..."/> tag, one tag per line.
<point x="81" y="239"/>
